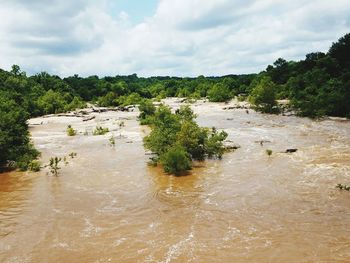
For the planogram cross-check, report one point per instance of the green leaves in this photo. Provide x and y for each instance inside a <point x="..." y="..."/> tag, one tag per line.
<point x="14" y="137"/>
<point x="176" y="160"/>
<point x="177" y="139"/>
<point x="263" y="96"/>
<point x="219" y="93"/>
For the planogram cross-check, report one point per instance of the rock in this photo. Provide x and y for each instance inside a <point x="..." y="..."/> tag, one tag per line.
<point x="231" y="146"/>
<point x="37" y="124"/>
<point x="340" y="119"/>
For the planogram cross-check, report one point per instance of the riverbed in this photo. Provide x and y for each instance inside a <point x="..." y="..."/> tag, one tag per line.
<point x="107" y="205"/>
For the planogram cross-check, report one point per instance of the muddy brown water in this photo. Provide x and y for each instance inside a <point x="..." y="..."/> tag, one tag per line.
<point x="107" y="205"/>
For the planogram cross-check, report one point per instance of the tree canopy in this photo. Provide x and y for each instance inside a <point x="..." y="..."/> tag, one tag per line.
<point x="316" y="86"/>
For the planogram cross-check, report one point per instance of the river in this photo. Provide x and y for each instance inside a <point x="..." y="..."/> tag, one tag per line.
<point x="107" y="205"/>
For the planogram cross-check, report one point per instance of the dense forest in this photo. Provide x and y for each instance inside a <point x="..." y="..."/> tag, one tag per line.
<point x="316" y="86"/>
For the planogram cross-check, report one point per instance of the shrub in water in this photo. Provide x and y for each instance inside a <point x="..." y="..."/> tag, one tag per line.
<point x="176" y="161"/>
<point x="71" y="131"/>
<point x="54" y="165"/>
<point x="100" y="131"/>
<point x="34" y="166"/>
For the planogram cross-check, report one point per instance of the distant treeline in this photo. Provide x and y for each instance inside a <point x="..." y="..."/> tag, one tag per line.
<point x="316" y="86"/>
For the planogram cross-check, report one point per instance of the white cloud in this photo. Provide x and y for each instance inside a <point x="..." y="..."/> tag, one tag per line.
<point x="184" y="37"/>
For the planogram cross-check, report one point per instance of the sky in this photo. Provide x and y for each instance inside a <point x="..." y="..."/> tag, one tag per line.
<point x="164" y="37"/>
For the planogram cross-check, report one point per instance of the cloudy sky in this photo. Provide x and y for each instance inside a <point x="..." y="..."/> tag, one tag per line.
<point x="164" y="37"/>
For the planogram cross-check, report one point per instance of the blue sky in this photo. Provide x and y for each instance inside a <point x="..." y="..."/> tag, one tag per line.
<point x="137" y="10"/>
<point x="165" y="37"/>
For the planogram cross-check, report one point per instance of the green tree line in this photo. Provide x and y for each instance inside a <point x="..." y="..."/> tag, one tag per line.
<point x="316" y="86"/>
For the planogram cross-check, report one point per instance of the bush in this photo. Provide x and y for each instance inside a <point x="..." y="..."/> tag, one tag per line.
<point x="14" y="136"/>
<point x="131" y="99"/>
<point x="176" y="161"/>
<point x="76" y="103"/>
<point x="54" y="165"/>
<point x="263" y="96"/>
<point x="71" y="131"/>
<point x="107" y="100"/>
<point x="177" y="139"/>
<point x="214" y="146"/>
<point x="219" y="93"/>
<point x="23" y="162"/>
<point x="34" y="166"/>
<point x="100" y="131"/>
<point x="269" y="152"/>
<point x="147" y="110"/>
<point x="112" y="141"/>
<point x="72" y="155"/>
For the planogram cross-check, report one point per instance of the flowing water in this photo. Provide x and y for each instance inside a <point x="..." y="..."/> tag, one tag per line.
<point x="107" y="205"/>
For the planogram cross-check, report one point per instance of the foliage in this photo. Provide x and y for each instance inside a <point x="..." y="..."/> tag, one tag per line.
<point x="177" y="139"/>
<point x="343" y="187"/>
<point x="14" y="137"/>
<point x="71" y="131"/>
<point x="269" y="152"/>
<point x="75" y="103"/>
<point x="147" y="110"/>
<point x="316" y="86"/>
<point x="100" y="131"/>
<point x="73" y="155"/>
<point x="164" y="129"/>
<point x="54" y="165"/>
<point x="34" y="166"/>
<point x="263" y="96"/>
<point x="108" y="100"/>
<point x="176" y="160"/>
<point x="132" y="99"/>
<point x="219" y="93"/>
<point x="51" y="102"/>
<point x="214" y="147"/>
<point x="112" y="141"/>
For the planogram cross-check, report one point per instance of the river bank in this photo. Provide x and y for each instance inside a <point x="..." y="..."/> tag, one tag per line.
<point x="107" y="205"/>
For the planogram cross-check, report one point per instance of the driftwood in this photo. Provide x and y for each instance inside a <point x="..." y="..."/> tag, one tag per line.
<point x="37" y="124"/>
<point x="236" y="107"/>
<point x="89" y="118"/>
<point x="99" y="110"/>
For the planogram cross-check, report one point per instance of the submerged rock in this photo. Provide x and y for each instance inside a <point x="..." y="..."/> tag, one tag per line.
<point x="231" y="146"/>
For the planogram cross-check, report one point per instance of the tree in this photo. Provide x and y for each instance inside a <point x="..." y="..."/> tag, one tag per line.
<point x="176" y="139"/>
<point x="341" y="51"/>
<point x="147" y="110"/>
<point x="165" y="126"/>
<point x="14" y="137"/>
<point x="219" y="93"/>
<point x="107" y="100"/>
<point x="213" y="146"/>
<point x="51" y="102"/>
<point x="263" y="96"/>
